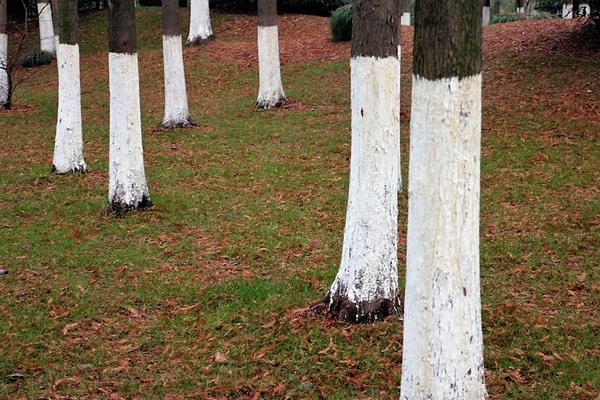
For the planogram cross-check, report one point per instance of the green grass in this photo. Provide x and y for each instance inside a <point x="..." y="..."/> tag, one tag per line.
<point x="204" y="295"/>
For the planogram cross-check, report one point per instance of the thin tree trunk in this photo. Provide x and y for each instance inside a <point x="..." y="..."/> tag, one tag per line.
<point x="366" y="286"/>
<point x="4" y="76"/>
<point x="46" y="26"/>
<point x="200" y="29"/>
<point x="128" y="189"/>
<point x="68" y="144"/>
<point x="270" y="89"/>
<point x="443" y="343"/>
<point x="176" y="105"/>
<point x="520" y="9"/>
<point x="405" y="12"/>
<point x="485" y="13"/>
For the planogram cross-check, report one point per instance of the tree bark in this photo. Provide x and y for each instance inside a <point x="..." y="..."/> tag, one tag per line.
<point x="46" y="27"/>
<point x="68" y="144"/>
<point x="366" y="286"/>
<point x="176" y="105"/>
<point x="128" y="189"/>
<point x="485" y="13"/>
<point x="200" y="29"/>
<point x="270" y="87"/>
<point x="443" y="341"/>
<point x="4" y="76"/>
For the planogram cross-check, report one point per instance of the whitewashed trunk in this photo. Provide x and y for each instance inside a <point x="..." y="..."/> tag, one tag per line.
<point x="520" y="10"/>
<point x="200" y="29"/>
<point x="270" y="87"/>
<point x="368" y="270"/>
<point x="46" y="27"/>
<point x="68" y="145"/>
<point x="405" y="19"/>
<point x="443" y="345"/>
<point x="127" y="179"/>
<point x="4" y="89"/>
<point x="176" y="105"/>
<point x="485" y="16"/>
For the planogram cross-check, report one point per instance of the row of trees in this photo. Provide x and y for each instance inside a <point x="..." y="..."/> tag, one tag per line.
<point x="443" y="350"/>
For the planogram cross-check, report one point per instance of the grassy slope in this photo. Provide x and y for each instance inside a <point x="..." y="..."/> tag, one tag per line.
<point x="203" y="296"/>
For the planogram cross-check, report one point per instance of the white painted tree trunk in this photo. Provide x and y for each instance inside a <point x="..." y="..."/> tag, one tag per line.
<point x="368" y="273"/>
<point x="68" y="145"/>
<point x="405" y="19"/>
<point x="46" y="27"/>
<point x="485" y="16"/>
<point x="176" y="105"/>
<point x="270" y="87"/>
<point x="127" y="180"/>
<point x="200" y="28"/>
<point x="443" y="344"/>
<point x="4" y="89"/>
<point x="520" y="10"/>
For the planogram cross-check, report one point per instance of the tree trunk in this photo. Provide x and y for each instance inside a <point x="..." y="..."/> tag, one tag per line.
<point x="127" y="180"/>
<point x="68" y="144"/>
<point x="200" y="29"/>
<point x="270" y="88"/>
<point x="496" y="9"/>
<point x="176" y="105"/>
<point x="485" y="13"/>
<point x="405" y="12"/>
<point x="366" y="286"/>
<point x="443" y="344"/>
<point x="4" y="77"/>
<point x="520" y="8"/>
<point x="46" y="27"/>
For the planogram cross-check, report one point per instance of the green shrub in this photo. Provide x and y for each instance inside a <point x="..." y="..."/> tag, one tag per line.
<point x="36" y="58"/>
<point x="341" y="24"/>
<point x="543" y="15"/>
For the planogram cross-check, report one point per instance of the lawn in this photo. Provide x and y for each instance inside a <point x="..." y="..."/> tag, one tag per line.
<point x="205" y="295"/>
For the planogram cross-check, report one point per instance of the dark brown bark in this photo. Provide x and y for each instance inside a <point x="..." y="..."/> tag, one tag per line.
<point x="518" y="4"/>
<point x="267" y="12"/>
<point x="447" y="39"/>
<point x="171" y="19"/>
<point x="3" y="15"/>
<point x="55" y="16"/>
<point x="374" y="28"/>
<point x="68" y="19"/>
<point x="404" y="6"/>
<point x="486" y="3"/>
<point x="121" y="26"/>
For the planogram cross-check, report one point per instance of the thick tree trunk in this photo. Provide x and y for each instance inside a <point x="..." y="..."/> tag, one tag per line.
<point x="4" y="77"/>
<point x="127" y="180"/>
<point x="176" y="105"/>
<point x="46" y="27"/>
<point x="443" y="344"/>
<point x="68" y="144"/>
<point x="270" y="87"/>
<point x="366" y="286"/>
<point x="200" y="29"/>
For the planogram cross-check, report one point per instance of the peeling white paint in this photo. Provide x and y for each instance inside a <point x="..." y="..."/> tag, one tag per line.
<point x="127" y="179"/>
<point x="68" y="144"/>
<point x="176" y="104"/>
<point x="200" y="28"/>
<point x="270" y="87"/>
<point x="3" y="69"/>
<point x="46" y="28"/>
<point x="369" y="264"/>
<point x="443" y="346"/>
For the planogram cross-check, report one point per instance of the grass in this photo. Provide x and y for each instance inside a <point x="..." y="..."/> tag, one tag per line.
<point x="204" y="295"/>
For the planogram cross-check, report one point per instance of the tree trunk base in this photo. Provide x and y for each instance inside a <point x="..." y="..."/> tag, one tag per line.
<point x="121" y="208"/>
<point x="343" y="310"/>
<point x="78" y="170"/>
<point x="198" y="41"/>
<point x="266" y="104"/>
<point x="170" y="124"/>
